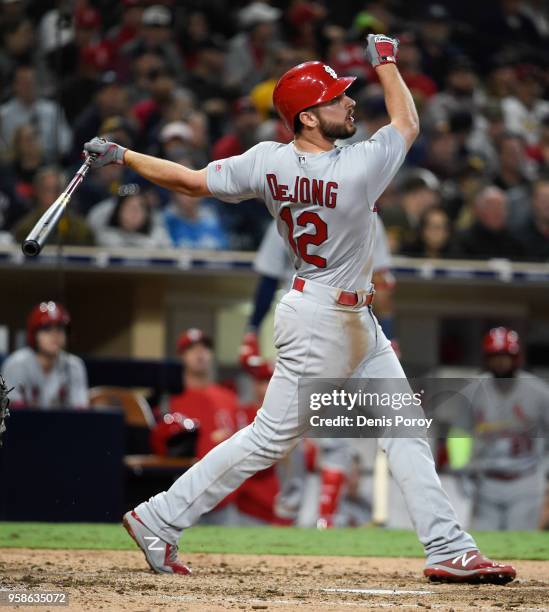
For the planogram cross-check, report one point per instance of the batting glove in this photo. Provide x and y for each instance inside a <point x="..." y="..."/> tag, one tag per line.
<point x="103" y="152"/>
<point x="381" y="49"/>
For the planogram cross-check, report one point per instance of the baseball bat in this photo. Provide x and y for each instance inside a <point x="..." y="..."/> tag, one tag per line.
<point x="380" y="510"/>
<point x="33" y="243"/>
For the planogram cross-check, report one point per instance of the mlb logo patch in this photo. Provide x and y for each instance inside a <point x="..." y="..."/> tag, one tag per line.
<point x="302" y="160"/>
<point x="218" y="167"/>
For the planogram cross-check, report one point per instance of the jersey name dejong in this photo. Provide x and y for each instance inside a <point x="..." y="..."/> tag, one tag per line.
<point x="305" y="191"/>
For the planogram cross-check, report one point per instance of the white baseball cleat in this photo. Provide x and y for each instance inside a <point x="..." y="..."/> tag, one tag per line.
<point x="161" y="556"/>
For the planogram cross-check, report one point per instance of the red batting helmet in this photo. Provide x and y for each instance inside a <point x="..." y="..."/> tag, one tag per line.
<point x="259" y="368"/>
<point x="44" y="314"/>
<point x="306" y="85"/>
<point x="501" y="340"/>
<point x="191" y="337"/>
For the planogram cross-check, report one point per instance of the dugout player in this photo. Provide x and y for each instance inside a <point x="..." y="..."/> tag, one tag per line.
<point x="211" y="406"/>
<point x="43" y="373"/>
<point x="323" y="199"/>
<point x="509" y="418"/>
<point x="255" y="498"/>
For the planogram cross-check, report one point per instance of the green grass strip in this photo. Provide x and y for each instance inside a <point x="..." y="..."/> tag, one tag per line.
<point x="365" y="542"/>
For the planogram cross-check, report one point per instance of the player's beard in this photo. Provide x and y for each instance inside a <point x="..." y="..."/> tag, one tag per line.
<point x="336" y="131"/>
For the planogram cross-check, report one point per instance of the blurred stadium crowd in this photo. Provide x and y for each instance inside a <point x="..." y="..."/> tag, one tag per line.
<point x="192" y="81"/>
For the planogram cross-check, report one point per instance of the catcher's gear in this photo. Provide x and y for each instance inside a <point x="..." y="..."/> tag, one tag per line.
<point x="4" y="404"/>
<point x="44" y="314"/>
<point x="381" y="49"/>
<point x="304" y="86"/>
<point x="102" y="152"/>
<point x="501" y="340"/>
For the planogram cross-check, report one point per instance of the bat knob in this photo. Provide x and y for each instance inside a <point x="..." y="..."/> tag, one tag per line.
<point x="30" y="248"/>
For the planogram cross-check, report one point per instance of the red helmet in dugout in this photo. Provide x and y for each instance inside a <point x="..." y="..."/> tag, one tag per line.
<point x="43" y="315"/>
<point x="307" y="85"/>
<point x="501" y="340"/>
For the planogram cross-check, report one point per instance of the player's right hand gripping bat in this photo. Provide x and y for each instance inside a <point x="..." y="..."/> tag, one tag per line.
<point x="37" y="237"/>
<point x="4" y="403"/>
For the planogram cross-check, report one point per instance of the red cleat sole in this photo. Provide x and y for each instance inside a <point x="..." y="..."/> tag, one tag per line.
<point x="478" y="577"/>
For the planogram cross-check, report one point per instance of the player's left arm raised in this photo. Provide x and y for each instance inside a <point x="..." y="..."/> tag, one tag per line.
<point x="382" y="52"/>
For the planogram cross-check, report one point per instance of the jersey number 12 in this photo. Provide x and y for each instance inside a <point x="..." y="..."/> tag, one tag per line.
<point x="300" y="245"/>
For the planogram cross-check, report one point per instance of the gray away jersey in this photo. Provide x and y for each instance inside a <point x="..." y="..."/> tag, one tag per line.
<point x="65" y="385"/>
<point x="323" y="203"/>
<point x="272" y="256"/>
<point x="510" y="427"/>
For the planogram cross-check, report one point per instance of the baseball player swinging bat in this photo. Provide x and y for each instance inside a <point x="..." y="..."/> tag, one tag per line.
<point x="324" y="201"/>
<point x="39" y="234"/>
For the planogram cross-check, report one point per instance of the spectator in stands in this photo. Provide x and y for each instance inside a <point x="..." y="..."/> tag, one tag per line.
<point x="419" y="191"/>
<point x="524" y="111"/>
<point x="280" y="60"/>
<point x="176" y="140"/>
<point x="9" y="206"/>
<point x="164" y="104"/>
<point x="203" y="80"/>
<point x="156" y="35"/>
<point x="511" y="26"/>
<point x="87" y="26"/>
<point x="459" y="193"/>
<point x="131" y="223"/>
<point x="488" y="236"/>
<point x="539" y="153"/>
<point x="26" y="158"/>
<point x="45" y="115"/>
<point x="435" y="43"/>
<point x="194" y="224"/>
<point x="246" y="121"/>
<point x="124" y="32"/>
<point x="305" y="19"/>
<point x="535" y="235"/>
<point x="196" y="32"/>
<point x="513" y="176"/>
<point x="500" y="80"/>
<point x="72" y="229"/>
<point x="111" y="99"/>
<point x="55" y="30"/>
<point x="144" y="69"/>
<point x="12" y="12"/>
<point x="249" y="49"/>
<point x="17" y="48"/>
<point x="483" y="142"/>
<point x="214" y="407"/>
<point x="443" y="156"/>
<point x="434" y="235"/>
<point x="81" y="85"/>
<point x="460" y="94"/>
<point x="43" y="373"/>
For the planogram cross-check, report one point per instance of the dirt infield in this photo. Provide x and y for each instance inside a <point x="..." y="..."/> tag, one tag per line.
<point x="109" y="580"/>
